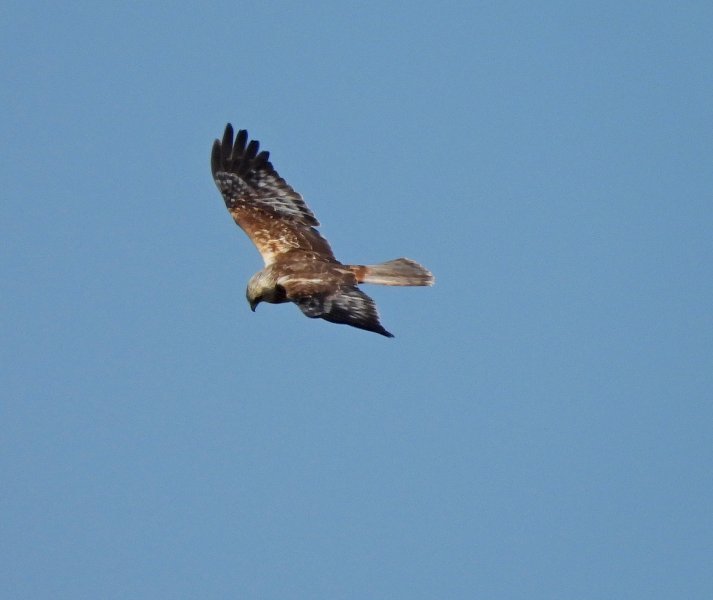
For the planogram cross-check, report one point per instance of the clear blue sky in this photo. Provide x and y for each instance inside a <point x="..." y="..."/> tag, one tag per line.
<point x="540" y="427"/>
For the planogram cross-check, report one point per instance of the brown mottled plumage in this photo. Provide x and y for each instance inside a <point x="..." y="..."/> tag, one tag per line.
<point x="300" y="266"/>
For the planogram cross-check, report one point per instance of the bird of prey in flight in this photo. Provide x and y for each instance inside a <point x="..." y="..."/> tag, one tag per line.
<point x="300" y="266"/>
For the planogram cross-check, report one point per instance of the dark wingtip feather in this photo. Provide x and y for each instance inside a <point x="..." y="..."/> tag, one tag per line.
<point x="240" y="141"/>
<point x="378" y="328"/>
<point x="251" y="151"/>
<point x="373" y="328"/>
<point x="216" y="158"/>
<point x="261" y="160"/>
<point x="227" y="144"/>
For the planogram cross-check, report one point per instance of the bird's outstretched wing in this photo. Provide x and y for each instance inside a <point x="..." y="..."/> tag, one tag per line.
<point x="264" y="205"/>
<point x="349" y="306"/>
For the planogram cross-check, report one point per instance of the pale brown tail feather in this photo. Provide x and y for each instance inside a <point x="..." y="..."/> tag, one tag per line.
<point x="401" y="271"/>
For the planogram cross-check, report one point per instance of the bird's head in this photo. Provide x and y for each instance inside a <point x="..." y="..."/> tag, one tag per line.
<point x="254" y="292"/>
<point x="260" y="288"/>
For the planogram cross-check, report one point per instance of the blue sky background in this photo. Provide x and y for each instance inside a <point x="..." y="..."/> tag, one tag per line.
<point x="540" y="427"/>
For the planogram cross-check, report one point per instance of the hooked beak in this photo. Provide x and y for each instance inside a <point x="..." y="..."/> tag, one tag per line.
<point x="253" y="305"/>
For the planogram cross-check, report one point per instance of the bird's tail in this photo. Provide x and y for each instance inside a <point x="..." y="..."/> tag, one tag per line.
<point x="401" y="271"/>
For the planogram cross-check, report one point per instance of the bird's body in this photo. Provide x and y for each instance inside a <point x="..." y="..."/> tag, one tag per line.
<point x="300" y="266"/>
